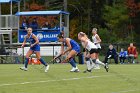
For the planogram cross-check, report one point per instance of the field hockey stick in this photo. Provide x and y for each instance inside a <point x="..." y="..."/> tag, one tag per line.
<point x="55" y="58"/>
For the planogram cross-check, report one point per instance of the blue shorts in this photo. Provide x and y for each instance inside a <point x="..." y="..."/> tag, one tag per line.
<point x="35" y="48"/>
<point x="77" y="49"/>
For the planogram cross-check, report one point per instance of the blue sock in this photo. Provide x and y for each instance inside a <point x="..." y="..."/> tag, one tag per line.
<point x="72" y="62"/>
<point x="26" y="62"/>
<point x="42" y="61"/>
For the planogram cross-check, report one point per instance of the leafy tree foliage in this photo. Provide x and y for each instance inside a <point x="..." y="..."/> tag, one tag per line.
<point x="117" y="20"/>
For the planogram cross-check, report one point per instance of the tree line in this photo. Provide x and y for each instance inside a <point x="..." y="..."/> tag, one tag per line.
<point x="117" y="20"/>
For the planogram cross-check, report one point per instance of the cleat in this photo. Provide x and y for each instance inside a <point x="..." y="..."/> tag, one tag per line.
<point x="89" y="70"/>
<point x="106" y="67"/>
<point x="23" y="68"/>
<point x="74" y="69"/>
<point x="77" y="70"/>
<point x="47" y="68"/>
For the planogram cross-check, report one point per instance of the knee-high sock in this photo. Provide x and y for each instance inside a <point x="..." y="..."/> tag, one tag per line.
<point x="43" y="62"/>
<point x="89" y="64"/>
<point x="93" y="61"/>
<point x="95" y="65"/>
<point x="26" y="62"/>
<point x="99" y="62"/>
<point x="72" y="62"/>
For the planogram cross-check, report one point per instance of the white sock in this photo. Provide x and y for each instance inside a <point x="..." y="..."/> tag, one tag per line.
<point x="76" y="67"/>
<point x="100" y="63"/>
<point x="89" y="65"/>
<point x="93" y="65"/>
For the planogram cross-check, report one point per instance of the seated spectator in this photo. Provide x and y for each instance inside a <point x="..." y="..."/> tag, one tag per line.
<point x="122" y="56"/>
<point x="46" y="25"/>
<point x="132" y="53"/>
<point x="111" y="54"/>
<point x="25" y="24"/>
<point x="34" y="24"/>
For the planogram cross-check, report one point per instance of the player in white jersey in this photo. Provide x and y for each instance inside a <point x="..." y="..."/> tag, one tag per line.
<point x="92" y="49"/>
<point x="96" y="40"/>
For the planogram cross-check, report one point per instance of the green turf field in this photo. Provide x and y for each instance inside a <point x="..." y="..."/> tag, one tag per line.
<point x="120" y="79"/>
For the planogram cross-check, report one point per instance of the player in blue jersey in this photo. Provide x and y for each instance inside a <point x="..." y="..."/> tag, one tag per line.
<point x="73" y="48"/>
<point x="34" y="48"/>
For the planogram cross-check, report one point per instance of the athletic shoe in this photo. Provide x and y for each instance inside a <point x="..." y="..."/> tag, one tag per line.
<point x="47" y="68"/>
<point x="74" y="69"/>
<point x="106" y="67"/>
<point x="23" y="68"/>
<point x="77" y="70"/>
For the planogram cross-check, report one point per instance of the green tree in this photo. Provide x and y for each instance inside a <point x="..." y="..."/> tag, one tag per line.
<point x="78" y="16"/>
<point x="116" y="19"/>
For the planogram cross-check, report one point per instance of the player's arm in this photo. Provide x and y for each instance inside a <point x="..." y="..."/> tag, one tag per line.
<point x="36" y="40"/>
<point x="98" y="39"/>
<point x="68" y="46"/>
<point x="24" y="42"/>
<point x="85" y="42"/>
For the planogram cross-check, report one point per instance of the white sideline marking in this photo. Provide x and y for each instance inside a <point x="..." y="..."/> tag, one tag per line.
<point x="125" y="91"/>
<point x="33" y="82"/>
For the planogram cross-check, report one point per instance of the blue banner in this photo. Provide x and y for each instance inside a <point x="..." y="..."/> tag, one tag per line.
<point x="49" y="35"/>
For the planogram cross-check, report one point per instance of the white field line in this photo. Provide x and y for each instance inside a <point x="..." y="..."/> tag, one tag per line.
<point x="125" y="91"/>
<point x="68" y="79"/>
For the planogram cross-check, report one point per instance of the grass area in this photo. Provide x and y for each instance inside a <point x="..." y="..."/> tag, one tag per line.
<point x="120" y="79"/>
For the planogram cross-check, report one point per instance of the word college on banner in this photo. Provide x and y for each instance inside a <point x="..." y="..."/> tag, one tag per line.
<point x="43" y="35"/>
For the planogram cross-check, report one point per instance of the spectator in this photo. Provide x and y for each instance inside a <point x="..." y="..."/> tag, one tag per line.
<point x="122" y="56"/>
<point x="25" y="24"/>
<point x="132" y="53"/>
<point x="46" y="25"/>
<point x="34" y="24"/>
<point x="111" y="53"/>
